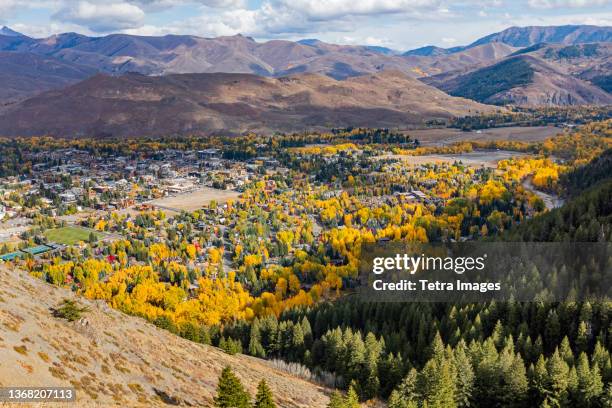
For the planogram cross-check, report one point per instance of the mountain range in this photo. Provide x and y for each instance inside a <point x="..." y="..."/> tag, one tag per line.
<point x="556" y="65"/>
<point x="200" y="104"/>
<point x="538" y="75"/>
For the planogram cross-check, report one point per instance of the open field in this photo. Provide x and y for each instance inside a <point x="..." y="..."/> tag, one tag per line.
<point x="440" y="137"/>
<point x="479" y="158"/>
<point x="69" y="235"/>
<point x="194" y="200"/>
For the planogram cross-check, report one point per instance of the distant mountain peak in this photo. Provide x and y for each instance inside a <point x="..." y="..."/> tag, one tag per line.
<point x="427" y="51"/>
<point x="565" y="34"/>
<point x="9" y="32"/>
<point x="382" y="50"/>
<point x="309" y="41"/>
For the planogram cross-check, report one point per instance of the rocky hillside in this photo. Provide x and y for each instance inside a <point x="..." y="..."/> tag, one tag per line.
<point x="539" y="75"/>
<point x="27" y="74"/>
<point x="138" y="105"/>
<point x="566" y="34"/>
<point x="122" y="53"/>
<point x="117" y="360"/>
<point x="30" y="66"/>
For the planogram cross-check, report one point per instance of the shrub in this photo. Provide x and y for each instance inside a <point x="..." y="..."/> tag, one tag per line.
<point x="69" y="310"/>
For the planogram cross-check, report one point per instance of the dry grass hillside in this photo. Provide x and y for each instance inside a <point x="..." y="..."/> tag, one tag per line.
<point x="138" y="105"/>
<point x="119" y="360"/>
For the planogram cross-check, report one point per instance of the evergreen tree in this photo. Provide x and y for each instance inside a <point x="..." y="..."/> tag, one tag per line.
<point x="297" y="342"/>
<point x="230" y="392"/>
<point x="552" y="331"/>
<point x="255" y="347"/>
<point x="514" y="378"/>
<point x="307" y="331"/>
<point x="407" y="392"/>
<point x="558" y="373"/>
<point x="438" y="384"/>
<point x="601" y="357"/>
<point x="264" y="398"/>
<point x="582" y="340"/>
<point x="369" y="378"/>
<point x="352" y="399"/>
<point x="590" y="385"/>
<point x="566" y="351"/>
<point x="539" y="381"/>
<point x="390" y="373"/>
<point x="336" y="400"/>
<point x="607" y="396"/>
<point x="464" y="381"/>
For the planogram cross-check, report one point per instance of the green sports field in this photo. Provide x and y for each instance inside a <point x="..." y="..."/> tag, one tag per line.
<point x="68" y="235"/>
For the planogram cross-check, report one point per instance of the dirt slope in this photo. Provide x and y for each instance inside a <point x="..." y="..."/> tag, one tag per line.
<point x="527" y="79"/>
<point x="26" y="74"/>
<point x="119" y="360"/>
<point x="137" y="105"/>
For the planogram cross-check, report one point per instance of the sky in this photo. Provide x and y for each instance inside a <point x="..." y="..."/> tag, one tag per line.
<point x="397" y="24"/>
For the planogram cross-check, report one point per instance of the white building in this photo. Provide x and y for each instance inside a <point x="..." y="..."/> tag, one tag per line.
<point x="67" y="197"/>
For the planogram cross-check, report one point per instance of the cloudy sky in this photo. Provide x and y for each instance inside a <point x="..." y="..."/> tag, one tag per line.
<point x="399" y="24"/>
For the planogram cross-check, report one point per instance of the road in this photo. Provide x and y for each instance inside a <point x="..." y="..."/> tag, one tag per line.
<point x="551" y="201"/>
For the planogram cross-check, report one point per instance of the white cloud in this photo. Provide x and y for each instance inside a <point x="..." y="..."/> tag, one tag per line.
<point x="279" y="18"/>
<point x="332" y="9"/>
<point x="43" y="31"/>
<point x="100" y="17"/>
<point x="599" y="19"/>
<point x="7" y="6"/>
<point x="158" y="5"/>
<point x="547" y="4"/>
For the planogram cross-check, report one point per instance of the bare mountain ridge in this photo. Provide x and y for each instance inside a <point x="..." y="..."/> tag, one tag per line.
<point x="528" y="36"/>
<point x="117" y="360"/>
<point x="138" y="105"/>
<point x="543" y="74"/>
<point x="122" y="53"/>
<point x="566" y="34"/>
<point x="118" y="54"/>
<point x="469" y="58"/>
<point x="25" y="74"/>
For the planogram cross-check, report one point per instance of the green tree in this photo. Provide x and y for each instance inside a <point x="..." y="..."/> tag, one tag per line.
<point x="558" y="373"/>
<point x="516" y="380"/>
<point x="566" y="351"/>
<point x="230" y="392"/>
<point x="590" y="385"/>
<point x="264" y="397"/>
<point x="407" y="392"/>
<point x="336" y="400"/>
<point x="582" y="338"/>
<point x="255" y="347"/>
<point x="352" y="399"/>
<point x="464" y="380"/>
<point x="539" y="380"/>
<point x="438" y="384"/>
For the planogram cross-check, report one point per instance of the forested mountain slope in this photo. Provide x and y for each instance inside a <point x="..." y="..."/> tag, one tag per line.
<point x="456" y="355"/>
